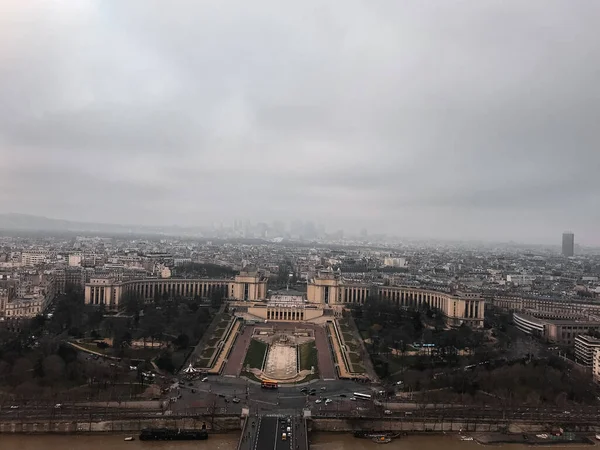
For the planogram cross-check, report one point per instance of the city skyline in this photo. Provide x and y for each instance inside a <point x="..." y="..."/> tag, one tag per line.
<point x="428" y="121"/>
<point x="244" y="228"/>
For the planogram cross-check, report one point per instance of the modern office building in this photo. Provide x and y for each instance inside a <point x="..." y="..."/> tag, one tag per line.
<point x="557" y="329"/>
<point x="596" y="365"/>
<point x="568" y="244"/>
<point x="584" y="349"/>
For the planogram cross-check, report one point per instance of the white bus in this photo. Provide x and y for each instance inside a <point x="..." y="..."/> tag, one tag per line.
<point x="362" y="396"/>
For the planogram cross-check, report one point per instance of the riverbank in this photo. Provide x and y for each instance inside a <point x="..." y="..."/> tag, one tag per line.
<point x="222" y="424"/>
<point x="540" y="439"/>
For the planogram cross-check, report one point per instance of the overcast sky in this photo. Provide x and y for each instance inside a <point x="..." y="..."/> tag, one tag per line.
<point x="443" y="119"/>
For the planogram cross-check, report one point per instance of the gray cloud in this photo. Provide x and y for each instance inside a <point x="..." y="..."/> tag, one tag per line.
<point x="454" y="119"/>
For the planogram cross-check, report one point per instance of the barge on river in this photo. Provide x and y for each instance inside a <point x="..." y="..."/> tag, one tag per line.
<point x="170" y="434"/>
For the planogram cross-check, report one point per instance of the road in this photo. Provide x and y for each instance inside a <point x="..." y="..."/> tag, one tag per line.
<point x="216" y="396"/>
<point x="72" y="412"/>
<point x="267" y="433"/>
<point x="219" y="392"/>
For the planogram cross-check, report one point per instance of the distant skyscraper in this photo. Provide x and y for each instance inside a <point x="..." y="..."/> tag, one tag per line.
<point x="568" y="244"/>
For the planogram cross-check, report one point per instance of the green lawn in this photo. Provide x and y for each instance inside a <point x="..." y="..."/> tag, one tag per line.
<point x="203" y="362"/>
<point x="207" y="352"/>
<point x="256" y="354"/>
<point x="251" y="376"/>
<point x="308" y="356"/>
<point x="355" y="358"/>
<point x="213" y="341"/>
<point x="358" y="368"/>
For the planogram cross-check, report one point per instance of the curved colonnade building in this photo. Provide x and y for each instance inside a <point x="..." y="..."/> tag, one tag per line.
<point x="458" y="308"/>
<point x="108" y="292"/>
<point x="326" y="291"/>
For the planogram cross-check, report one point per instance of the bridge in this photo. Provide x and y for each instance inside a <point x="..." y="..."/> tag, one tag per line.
<point x="267" y="433"/>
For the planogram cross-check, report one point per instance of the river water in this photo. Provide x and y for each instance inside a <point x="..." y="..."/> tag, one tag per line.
<point x="319" y="441"/>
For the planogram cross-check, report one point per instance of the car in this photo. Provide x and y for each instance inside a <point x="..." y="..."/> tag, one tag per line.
<point x="387" y="412"/>
<point x="318" y="400"/>
<point x="342" y="395"/>
<point x="205" y="379"/>
<point x="312" y="393"/>
<point x="398" y="383"/>
<point x="408" y="413"/>
<point x="190" y="384"/>
<point x="193" y="391"/>
<point x="328" y="401"/>
<point x="226" y="401"/>
<point x="323" y="388"/>
<point x="222" y="395"/>
<point x="353" y="399"/>
<point x="14" y="407"/>
<point x="58" y="406"/>
<point x="235" y="400"/>
<point x="303" y="389"/>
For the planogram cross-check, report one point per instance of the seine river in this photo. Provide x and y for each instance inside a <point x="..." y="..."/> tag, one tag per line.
<point x="321" y="441"/>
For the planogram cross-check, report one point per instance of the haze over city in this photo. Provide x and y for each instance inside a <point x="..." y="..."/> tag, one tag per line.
<point x="458" y="120"/>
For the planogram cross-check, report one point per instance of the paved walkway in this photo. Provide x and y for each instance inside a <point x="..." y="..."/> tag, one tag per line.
<point x="236" y="358"/>
<point x="223" y="356"/>
<point x="324" y="356"/>
<point x="87" y="350"/>
<point x="325" y="359"/>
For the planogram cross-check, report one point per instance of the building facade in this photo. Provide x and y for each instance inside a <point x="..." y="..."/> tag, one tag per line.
<point x="326" y="293"/>
<point x="329" y="288"/>
<point x="34" y="257"/>
<point x="596" y="365"/>
<point x="585" y="346"/>
<point x="558" y="329"/>
<point x="109" y="292"/>
<point x="570" y="307"/>
<point x="568" y="244"/>
<point x="26" y="307"/>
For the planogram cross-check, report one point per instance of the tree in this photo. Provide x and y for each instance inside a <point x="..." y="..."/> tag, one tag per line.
<point x="54" y="368"/>
<point x="22" y="370"/>
<point x="182" y="341"/>
<point x="216" y="298"/>
<point x="152" y="325"/>
<point x="165" y="362"/>
<point x="417" y="322"/>
<point x="132" y="304"/>
<point x="122" y="339"/>
<point x="27" y="389"/>
<point x="95" y="315"/>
